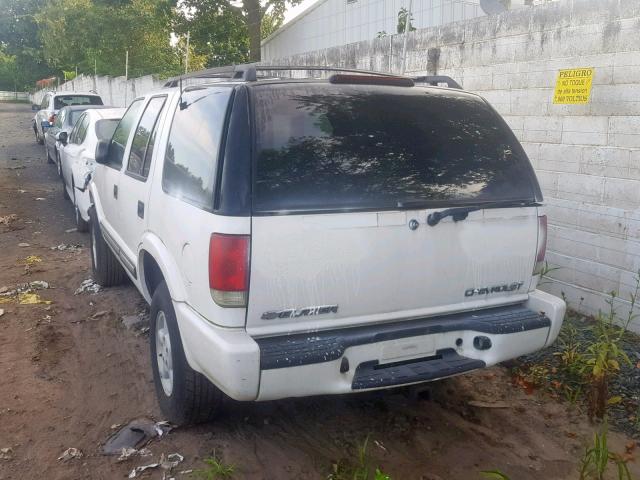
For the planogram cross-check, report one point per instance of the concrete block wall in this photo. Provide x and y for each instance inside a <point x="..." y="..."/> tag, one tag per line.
<point x="587" y="157"/>
<point x="13" y="96"/>
<point x="115" y="91"/>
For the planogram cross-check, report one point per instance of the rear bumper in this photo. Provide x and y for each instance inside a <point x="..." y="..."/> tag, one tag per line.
<point x="369" y="357"/>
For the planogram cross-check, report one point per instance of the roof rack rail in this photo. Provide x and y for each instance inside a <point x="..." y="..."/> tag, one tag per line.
<point x="248" y="72"/>
<point x="436" y="80"/>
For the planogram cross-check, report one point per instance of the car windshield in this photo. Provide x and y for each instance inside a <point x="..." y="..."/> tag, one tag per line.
<point x="61" y="101"/>
<point x="326" y="147"/>
<point x="106" y="127"/>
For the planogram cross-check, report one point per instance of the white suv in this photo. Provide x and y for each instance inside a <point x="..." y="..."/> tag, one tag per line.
<point x="305" y="237"/>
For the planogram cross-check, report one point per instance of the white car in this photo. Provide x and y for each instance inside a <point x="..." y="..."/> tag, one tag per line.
<point x="309" y="236"/>
<point x="77" y="150"/>
<point x="51" y="104"/>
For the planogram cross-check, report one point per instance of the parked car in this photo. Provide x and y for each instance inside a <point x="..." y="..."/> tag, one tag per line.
<point x="64" y="121"/>
<point x="307" y="237"/>
<point x="77" y="150"/>
<point x="51" y="103"/>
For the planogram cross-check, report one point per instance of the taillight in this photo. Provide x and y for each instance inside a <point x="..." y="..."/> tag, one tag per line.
<point x="52" y="118"/>
<point x="542" y="244"/>
<point x="229" y="269"/>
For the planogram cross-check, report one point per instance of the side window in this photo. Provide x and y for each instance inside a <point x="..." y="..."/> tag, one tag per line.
<point x="73" y="137"/>
<point x="143" y="139"/>
<point x="121" y="135"/>
<point x="45" y="102"/>
<point x="60" y="119"/>
<point x="194" y="141"/>
<point x="83" y="126"/>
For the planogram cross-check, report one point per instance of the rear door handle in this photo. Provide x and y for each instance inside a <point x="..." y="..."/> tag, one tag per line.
<point x="115" y="191"/>
<point x="140" y="209"/>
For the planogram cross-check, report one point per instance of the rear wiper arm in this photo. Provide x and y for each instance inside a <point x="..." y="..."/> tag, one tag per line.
<point x="460" y="213"/>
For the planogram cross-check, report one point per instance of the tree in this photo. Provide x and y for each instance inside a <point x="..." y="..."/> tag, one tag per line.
<point x="403" y="15"/>
<point x="217" y="32"/>
<point x="19" y="40"/>
<point x="97" y="34"/>
<point x="8" y="71"/>
<point x="235" y="28"/>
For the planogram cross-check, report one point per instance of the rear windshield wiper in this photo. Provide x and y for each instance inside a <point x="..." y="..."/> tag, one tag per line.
<point x="460" y="213"/>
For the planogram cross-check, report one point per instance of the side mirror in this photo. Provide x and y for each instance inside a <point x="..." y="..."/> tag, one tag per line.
<point x="102" y="151"/>
<point x="35" y="108"/>
<point x="62" y="137"/>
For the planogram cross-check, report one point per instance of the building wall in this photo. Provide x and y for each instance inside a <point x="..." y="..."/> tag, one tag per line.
<point x="339" y="22"/>
<point x="587" y="157"/>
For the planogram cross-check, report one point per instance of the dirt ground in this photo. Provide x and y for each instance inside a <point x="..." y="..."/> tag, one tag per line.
<point x="67" y="375"/>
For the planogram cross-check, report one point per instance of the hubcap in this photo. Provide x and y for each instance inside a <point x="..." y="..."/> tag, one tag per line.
<point x="163" y="354"/>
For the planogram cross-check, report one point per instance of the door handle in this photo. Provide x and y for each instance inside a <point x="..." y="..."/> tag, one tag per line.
<point x="115" y="191"/>
<point x="140" y="209"/>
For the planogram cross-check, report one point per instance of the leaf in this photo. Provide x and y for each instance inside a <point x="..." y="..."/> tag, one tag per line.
<point x="494" y="475"/>
<point x="381" y="476"/>
<point x="614" y="400"/>
<point x="31" y="299"/>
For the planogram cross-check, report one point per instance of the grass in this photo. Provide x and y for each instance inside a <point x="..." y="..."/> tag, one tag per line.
<point x="214" y="470"/>
<point x="357" y="468"/>
<point x="588" y="357"/>
<point x="597" y="458"/>
<point x="494" y="475"/>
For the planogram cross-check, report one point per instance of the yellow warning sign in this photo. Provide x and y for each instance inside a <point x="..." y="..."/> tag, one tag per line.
<point x="573" y="86"/>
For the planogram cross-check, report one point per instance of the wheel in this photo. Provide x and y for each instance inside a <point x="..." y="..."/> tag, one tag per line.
<point x="38" y="139"/>
<point x="107" y="271"/>
<point x="185" y="396"/>
<point x="81" y="224"/>
<point x="65" y="194"/>
<point x="46" y="149"/>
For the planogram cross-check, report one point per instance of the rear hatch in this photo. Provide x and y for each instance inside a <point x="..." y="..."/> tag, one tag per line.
<point x="345" y="178"/>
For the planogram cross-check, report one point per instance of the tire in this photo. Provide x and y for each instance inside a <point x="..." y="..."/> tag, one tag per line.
<point x="58" y="164"/>
<point x="107" y="271"/>
<point x="65" y="194"/>
<point x="186" y="396"/>
<point x="81" y="224"/>
<point x="38" y="139"/>
<point x="49" y="160"/>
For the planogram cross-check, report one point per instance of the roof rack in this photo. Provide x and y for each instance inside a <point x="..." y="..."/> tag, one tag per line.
<point x="436" y="80"/>
<point x="248" y="72"/>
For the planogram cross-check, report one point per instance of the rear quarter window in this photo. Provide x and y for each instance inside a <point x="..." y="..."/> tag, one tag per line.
<point x="194" y="143"/>
<point x="327" y="147"/>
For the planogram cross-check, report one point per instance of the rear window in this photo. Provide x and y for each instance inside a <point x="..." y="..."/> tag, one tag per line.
<point x="328" y="147"/>
<point x="106" y="127"/>
<point x="61" y="101"/>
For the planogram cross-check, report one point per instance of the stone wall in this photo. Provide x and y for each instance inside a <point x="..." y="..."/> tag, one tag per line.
<point x="13" y="96"/>
<point x="587" y="157"/>
<point x="115" y="91"/>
